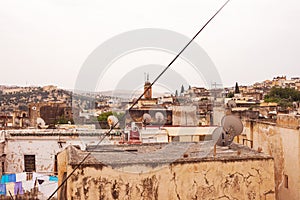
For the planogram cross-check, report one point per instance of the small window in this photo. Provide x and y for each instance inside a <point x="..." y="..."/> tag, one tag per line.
<point x="55" y="164"/>
<point x="3" y="167"/>
<point x="29" y="163"/>
<point x="286" y="181"/>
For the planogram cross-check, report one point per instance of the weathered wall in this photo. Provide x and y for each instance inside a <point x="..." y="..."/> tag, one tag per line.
<point x="247" y="179"/>
<point x="283" y="144"/>
<point x="43" y="147"/>
<point x="184" y="116"/>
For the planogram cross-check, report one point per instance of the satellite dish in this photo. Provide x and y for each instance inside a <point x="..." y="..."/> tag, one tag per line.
<point x="231" y="127"/>
<point x="159" y="117"/>
<point x="17" y="121"/>
<point x="27" y="122"/>
<point x="113" y="121"/>
<point x="231" y="104"/>
<point x="40" y="122"/>
<point x="295" y="105"/>
<point x="216" y="134"/>
<point x="147" y="118"/>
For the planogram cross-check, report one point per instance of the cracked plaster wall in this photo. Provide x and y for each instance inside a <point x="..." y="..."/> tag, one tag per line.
<point x="282" y="143"/>
<point x="250" y="179"/>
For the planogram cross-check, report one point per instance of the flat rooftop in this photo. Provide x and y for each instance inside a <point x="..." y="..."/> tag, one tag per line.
<point x="155" y="154"/>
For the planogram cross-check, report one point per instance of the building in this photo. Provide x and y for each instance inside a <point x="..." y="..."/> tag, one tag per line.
<point x="166" y="171"/>
<point x="280" y="139"/>
<point x="49" y="112"/>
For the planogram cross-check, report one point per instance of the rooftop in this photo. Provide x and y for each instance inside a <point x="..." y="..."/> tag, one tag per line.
<point x="155" y="154"/>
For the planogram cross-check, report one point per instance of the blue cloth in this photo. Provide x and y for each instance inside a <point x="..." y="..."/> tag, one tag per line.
<point x="53" y="178"/>
<point x="2" y="189"/>
<point x="12" y="178"/>
<point x="7" y="178"/>
<point x="4" y="178"/>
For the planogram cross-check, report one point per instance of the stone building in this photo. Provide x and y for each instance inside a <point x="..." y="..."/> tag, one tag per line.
<point x="50" y="112"/>
<point x="166" y="171"/>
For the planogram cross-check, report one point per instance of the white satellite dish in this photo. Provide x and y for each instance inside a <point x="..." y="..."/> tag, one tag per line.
<point x="159" y="117"/>
<point x="113" y="121"/>
<point x="40" y="122"/>
<point x="231" y="104"/>
<point x="17" y="121"/>
<point x="231" y="127"/>
<point x="147" y="118"/>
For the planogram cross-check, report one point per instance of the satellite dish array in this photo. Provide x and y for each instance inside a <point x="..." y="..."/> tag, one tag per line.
<point x="231" y="126"/>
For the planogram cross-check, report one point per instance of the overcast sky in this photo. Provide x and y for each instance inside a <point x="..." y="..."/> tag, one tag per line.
<point x="46" y="42"/>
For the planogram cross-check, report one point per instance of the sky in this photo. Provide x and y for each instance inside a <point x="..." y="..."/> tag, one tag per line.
<point x="45" y="42"/>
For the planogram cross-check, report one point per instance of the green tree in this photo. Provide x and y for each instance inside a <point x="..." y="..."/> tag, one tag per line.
<point x="230" y="95"/>
<point x="182" y="89"/>
<point x="283" y="96"/>
<point x="237" y="89"/>
<point x="103" y="116"/>
<point x="176" y="93"/>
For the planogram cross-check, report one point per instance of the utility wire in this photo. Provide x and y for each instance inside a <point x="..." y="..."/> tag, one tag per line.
<point x="135" y="102"/>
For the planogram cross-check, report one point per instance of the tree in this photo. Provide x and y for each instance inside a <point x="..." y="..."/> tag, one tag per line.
<point x="230" y="95"/>
<point x="176" y="93"/>
<point x="190" y="87"/>
<point x="237" y="89"/>
<point x="182" y="89"/>
<point x="283" y="96"/>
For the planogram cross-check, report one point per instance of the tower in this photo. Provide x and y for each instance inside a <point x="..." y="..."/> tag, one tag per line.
<point x="147" y="93"/>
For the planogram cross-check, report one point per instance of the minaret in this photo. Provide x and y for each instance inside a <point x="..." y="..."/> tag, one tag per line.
<point x="148" y="94"/>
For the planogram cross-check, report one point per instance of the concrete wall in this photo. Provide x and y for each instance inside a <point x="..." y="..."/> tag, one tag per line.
<point x="246" y="179"/>
<point x="281" y="141"/>
<point x="184" y="116"/>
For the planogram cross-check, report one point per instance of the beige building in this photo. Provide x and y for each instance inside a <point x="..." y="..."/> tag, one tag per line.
<point x="166" y="171"/>
<point x="281" y="140"/>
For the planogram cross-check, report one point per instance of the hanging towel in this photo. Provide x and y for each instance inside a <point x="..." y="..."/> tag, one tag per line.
<point x="2" y="189"/>
<point x="12" y="178"/>
<point x="47" y="188"/>
<point x="21" y="177"/>
<point x="18" y="188"/>
<point x="4" y="178"/>
<point x="28" y="185"/>
<point x="10" y="187"/>
<point x="53" y="178"/>
<point x="40" y="177"/>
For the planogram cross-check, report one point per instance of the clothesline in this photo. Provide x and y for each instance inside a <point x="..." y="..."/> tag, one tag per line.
<point x="17" y="183"/>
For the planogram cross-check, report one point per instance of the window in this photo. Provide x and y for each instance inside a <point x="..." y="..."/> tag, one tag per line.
<point x="55" y="164"/>
<point x="3" y="165"/>
<point x="29" y="163"/>
<point x="286" y="181"/>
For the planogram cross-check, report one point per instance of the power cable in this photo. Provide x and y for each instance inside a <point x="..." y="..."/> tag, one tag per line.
<point x="135" y="102"/>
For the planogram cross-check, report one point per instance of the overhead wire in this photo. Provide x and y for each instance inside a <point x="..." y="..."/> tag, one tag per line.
<point x="136" y="101"/>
